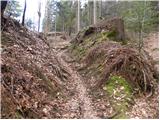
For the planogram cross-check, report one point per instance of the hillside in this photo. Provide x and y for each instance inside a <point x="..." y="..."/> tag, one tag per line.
<point x="94" y="75"/>
<point x="31" y="74"/>
<point x="116" y="67"/>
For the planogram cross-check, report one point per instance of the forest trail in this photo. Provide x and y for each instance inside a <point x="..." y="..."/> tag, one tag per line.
<point x="75" y="66"/>
<point x="80" y="102"/>
<point x="79" y="105"/>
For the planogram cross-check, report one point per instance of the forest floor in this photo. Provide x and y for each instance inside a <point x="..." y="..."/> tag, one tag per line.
<point x="42" y="79"/>
<point x="152" y="46"/>
<point x="81" y="102"/>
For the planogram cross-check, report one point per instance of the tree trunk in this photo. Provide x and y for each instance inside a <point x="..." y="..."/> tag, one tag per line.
<point x="3" y="7"/>
<point x="63" y="25"/>
<point x="94" y="12"/>
<point x="90" y="11"/>
<point x="46" y="24"/>
<point x="70" y="31"/>
<point x="24" y="12"/>
<point x="100" y="9"/>
<point x="141" y="27"/>
<point x="78" y="16"/>
<point x="39" y="15"/>
<point x="55" y="26"/>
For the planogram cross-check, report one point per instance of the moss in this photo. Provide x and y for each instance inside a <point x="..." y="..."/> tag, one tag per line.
<point x="78" y="52"/>
<point x="95" y="69"/>
<point x="104" y="34"/>
<point x="111" y="34"/>
<point x="94" y="38"/>
<point x="117" y="81"/>
<point x="5" y="39"/>
<point x="71" y="47"/>
<point x="18" y="115"/>
<point x="119" y="90"/>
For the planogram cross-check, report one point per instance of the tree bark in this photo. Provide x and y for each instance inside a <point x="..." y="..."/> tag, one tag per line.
<point x="24" y="12"/>
<point x="91" y="16"/>
<point x="55" y="26"/>
<point x="100" y="9"/>
<point x="78" y="16"/>
<point x="94" y="12"/>
<point x="3" y="7"/>
<point x="39" y="15"/>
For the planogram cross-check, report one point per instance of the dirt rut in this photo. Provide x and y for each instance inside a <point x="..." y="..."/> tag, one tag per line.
<point x="81" y="101"/>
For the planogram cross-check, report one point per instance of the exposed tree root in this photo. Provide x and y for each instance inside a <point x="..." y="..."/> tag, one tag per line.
<point x="124" y="61"/>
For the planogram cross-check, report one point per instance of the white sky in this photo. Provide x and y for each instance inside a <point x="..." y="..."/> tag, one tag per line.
<point x="31" y="10"/>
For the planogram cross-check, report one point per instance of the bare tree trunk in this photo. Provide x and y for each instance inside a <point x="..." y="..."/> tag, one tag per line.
<point x="24" y="12"/>
<point x="100" y="9"/>
<point x="89" y="20"/>
<point x="46" y="25"/>
<point x="63" y="25"/>
<point x="39" y="15"/>
<point x="55" y="26"/>
<point x="94" y="12"/>
<point x="141" y="22"/>
<point x="78" y="16"/>
<point x="3" y="7"/>
<point x="90" y="11"/>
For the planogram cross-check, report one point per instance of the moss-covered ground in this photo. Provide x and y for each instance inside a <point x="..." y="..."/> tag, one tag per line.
<point x="118" y="89"/>
<point x="120" y="93"/>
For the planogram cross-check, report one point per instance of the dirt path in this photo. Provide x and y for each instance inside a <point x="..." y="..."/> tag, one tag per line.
<point x="81" y="100"/>
<point x="79" y="103"/>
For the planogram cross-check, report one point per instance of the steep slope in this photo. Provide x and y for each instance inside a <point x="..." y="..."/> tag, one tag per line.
<point x="39" y="79"/>
<point x="86" y="78"/>
<point x="31" y="74"/>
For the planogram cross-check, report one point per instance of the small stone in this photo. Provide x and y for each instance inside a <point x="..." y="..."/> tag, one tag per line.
<point x="45" y="110"/>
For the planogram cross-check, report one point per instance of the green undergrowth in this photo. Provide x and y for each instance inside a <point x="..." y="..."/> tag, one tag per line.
<point x="120" y="93"/>
<point x="117" y="88"/>
<point x="5" y="40"/>
<point x="79" y="50"/>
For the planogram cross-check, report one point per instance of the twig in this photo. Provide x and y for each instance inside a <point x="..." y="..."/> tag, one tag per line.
<point x="13" y="98"/>
<point x="113" y="115"/>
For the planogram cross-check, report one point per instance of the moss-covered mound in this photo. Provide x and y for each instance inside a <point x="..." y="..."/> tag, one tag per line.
<point x="120" y="92"/>
<point x="103" y="56"/>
